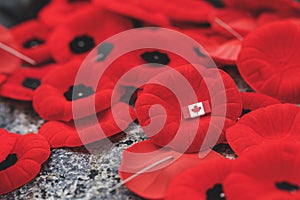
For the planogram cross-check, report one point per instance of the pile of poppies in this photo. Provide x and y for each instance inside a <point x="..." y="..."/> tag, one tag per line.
<point x="259" y="38"/>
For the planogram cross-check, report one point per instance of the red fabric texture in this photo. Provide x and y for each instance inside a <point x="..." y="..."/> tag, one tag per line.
<point x="195" y="183"/>
<point x="258" y="173"/>
<point x="161" y="12"/>
<point x="33" y="30"/>
<point x="31" y="151"/>
<point x="274" y="123"/>
<point x="55" y="12"/>
<point x="60" y="134"/>
<point x="153" y="94"/>
<point x="85" y="23"/>
<point x="51" y="104"/>
<point x="270" y="67"/>
<point x="154" y="183"/>
<point x="14" y="87"/>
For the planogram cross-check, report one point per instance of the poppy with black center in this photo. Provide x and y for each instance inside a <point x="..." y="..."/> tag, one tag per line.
<point x="32" y="37"/>
<point x="203" y="182"/>
<point x="20" y="159"/>
<point x="82" y="44"/>
<point x="270" y="171"/>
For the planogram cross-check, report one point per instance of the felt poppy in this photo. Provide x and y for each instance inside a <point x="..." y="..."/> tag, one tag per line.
<point x="240" y="21"/>
<point x="60" y="134"/>
<point x="32" y="38"/>
<point x="162" y="12"/>
<point x="57" y="94"/>
<point x="203" y="182"/>
<point x="9" y="63"/>
<point x="22" y="84"/>
<point x="268" y="172"/>
<point x="271" y="67"/>
<point x="20" y="159"/>
<point x="177" y="127"/>
<point x="153" y="183"/>
<point x="278" y="122"/>
<point x="55" y="12"/>
<point x="82" y="31"/>
<point x="252" y="101"/>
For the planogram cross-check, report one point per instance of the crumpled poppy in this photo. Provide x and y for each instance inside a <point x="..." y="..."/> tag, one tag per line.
<point x="32" y="37"/>
<point x="153" y="183"/>
<point x="278" y="122"/>
<point x="9" y="63"/>
<point x="57" y="94"/>
<point x="162" y="12"/>
<point x="252" y="101"/>
<point x="271" y="67"/>
<point x="60" y="134"/>
<point x="270" y="172"/>
<point x="22" y="84"/>
<point x="177" y="127"/>
<point x="20" y="159"/>
<point x="203" y="182"/>
<point x="81" y="32"/>
<point x="55" y="12"/>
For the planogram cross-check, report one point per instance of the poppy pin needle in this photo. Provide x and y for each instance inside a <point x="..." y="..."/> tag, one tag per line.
<point x="228" y="28"/>
<point x="17" y="54"/>
<point x="141" y="172"/>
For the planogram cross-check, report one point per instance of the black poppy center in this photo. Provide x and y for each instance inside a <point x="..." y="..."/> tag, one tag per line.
<point x="215" y="193"/>
<point x="31" y="83"/>
<point x="33" y="43"/>
<point x="156" y="57"/>
<point x="245" y="111"/>
<point x="74" y="1"/>
<point x="82" y="44"/>
<point x="286" y="186"/>
<point x="78" y="92"/>
<point x="10" y="160"/>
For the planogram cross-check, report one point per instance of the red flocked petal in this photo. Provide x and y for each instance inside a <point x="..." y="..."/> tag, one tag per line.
<point x="22" y="84"/>
<point x="270" y="172"/>
<point x="82" y="31"/>
<point x="30" y="151"/>
<point x="205" y="181"/>
<point x="9" y="63"/>
<point x="55" y="12"/>
<point x="154" y="183"/>
<point x="162" y="12"/>
<point x="53" y="100"/>
<point x="176" y="126"/>
<point x="60" y="134"/>
<point x="266" y="125"/>
<point x="272" y="67"/>
<point x="32" y="38"/>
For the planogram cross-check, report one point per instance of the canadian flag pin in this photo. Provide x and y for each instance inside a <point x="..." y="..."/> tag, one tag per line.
<point x="196" y="110"/>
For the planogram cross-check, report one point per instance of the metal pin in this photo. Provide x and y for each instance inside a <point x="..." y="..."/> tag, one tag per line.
<point x="228" y="28"/>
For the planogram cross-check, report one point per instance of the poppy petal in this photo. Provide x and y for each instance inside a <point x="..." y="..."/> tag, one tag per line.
<point x="205" y="181"/>
<point x="278" y="122"/>
<point x="269" y="67"/>
<point x="153" y="183"/>
<point x="61" y="134"/>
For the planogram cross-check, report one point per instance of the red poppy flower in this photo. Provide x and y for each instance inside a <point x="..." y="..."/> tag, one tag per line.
<point x="22" y="84"/>
<point x="266" y="125"/>
<point x="162" y="12"/>
<point x="176" y="122"/>
<point x="270" y="172"/>
<point x="9" y="63"/>
<point x="32" y="37"/>
<point x="252" y="101"/>
<point x="56" y="96"/>
<point x="272" y="67"/>
<point x="153" y="183"/>
<point x="81" y="32"/>
<point x="205" y="181"/>
<point x="240" y="21"/>
<point x="60" y="134"/>
<point x="56" y="11"/>
<point x="20" y="159"/>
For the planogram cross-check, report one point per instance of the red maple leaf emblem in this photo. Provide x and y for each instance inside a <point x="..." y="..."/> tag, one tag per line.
<point x="196" y="109"/>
